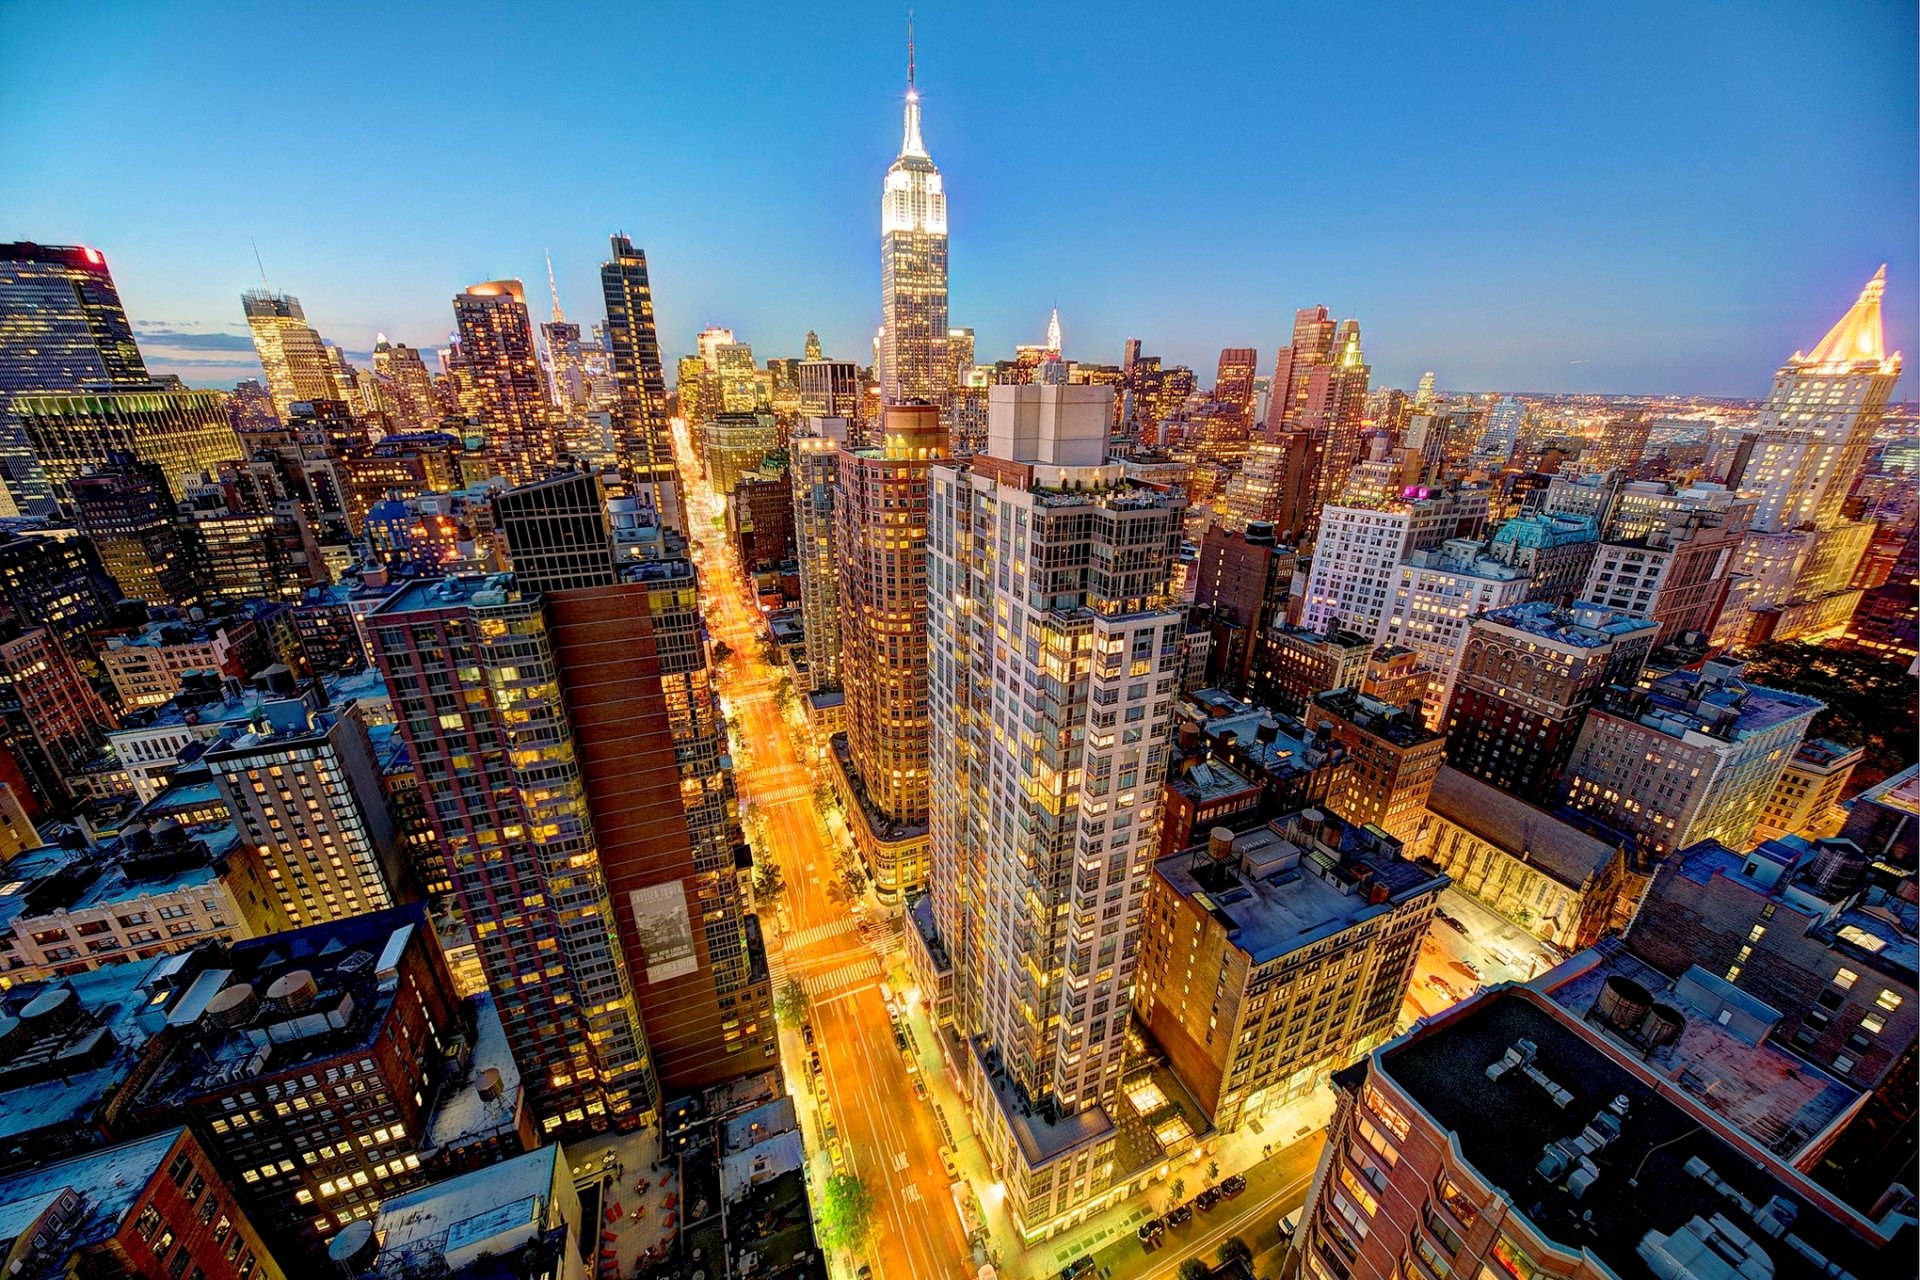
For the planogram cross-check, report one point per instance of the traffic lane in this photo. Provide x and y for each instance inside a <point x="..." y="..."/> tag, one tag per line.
<point x="890" y="1142"/>
<point x="1275" y="1187"/>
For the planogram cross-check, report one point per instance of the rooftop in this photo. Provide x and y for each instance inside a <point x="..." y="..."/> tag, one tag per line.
<point x="141" y="864"/>
<point x="463" y="1113"/>
<point x="284" y="1000"/>
<point x="1584" y="626"/>
<point x="108" y="1181"/>
<point x="488" y="1216"/>
<point x="1379" y="719"/>
<point x="1729" y="1067"/>
<point x="1714" y="701"/>
<point x="1533" y="835"/>
<point x="1901" y="791"/>
<point x="1652" y="1177"/>
<point x="1298" y="880"/>
<point x="1043" y="1136"/>
<point x="1538" y="529"/>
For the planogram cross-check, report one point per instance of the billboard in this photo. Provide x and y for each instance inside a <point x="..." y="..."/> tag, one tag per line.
<point x="665" y="932"/>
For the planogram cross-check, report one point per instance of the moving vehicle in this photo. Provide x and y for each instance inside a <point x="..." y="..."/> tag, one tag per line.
<point x="1288" y="1226"/>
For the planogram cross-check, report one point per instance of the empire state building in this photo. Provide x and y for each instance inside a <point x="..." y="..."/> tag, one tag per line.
<point x="913" y="269"/>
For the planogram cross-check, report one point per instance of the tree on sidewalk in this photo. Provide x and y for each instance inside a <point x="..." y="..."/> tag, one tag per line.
<point x="1194" y="1269"/>
<point x="790" y="1006"/>
<point x="1176" y="1192"/>
<point x="1213" y="1171"/>
<point x="846" y="1212"/>
<point x="1234" y="1249"/>
<point x="769" y="881"/>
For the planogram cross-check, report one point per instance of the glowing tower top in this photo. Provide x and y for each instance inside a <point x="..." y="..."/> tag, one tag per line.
<point x="913" y="265"/>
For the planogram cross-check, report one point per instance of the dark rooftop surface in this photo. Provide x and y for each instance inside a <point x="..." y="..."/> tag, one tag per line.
<point x="1504" y="1126"/>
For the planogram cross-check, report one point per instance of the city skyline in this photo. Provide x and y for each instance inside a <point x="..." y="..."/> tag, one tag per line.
<point x="1656" y="254"/>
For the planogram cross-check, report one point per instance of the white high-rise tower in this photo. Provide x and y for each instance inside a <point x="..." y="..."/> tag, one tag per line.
<point x="912" y="353"/>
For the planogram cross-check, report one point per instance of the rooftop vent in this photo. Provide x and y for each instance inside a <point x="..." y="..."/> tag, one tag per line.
<point x="293" y="991"/>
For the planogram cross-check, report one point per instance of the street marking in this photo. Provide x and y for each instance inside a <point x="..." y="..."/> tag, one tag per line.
<point x="899" y="1161"/>
<point x="868" y="968"/>
<point x="807" y="937"/>
<point x="848" y="994"/>
<point x="912" y="1193"/>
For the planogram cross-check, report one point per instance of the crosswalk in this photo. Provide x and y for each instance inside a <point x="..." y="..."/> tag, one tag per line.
<point x="843" y="976"/>
<point x="807" y="937"/>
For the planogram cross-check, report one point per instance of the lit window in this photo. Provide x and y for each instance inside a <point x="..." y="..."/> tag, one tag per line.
<point x="1845" y="979"/>
<point x="1887" y="1000"/>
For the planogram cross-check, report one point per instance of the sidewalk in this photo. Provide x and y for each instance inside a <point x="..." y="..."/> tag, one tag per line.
<point x="1269" y="1151"/>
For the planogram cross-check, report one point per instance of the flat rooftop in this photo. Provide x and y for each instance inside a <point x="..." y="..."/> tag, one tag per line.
<point x="1281" y="894"/>
<point x="1758" y="707"/>
<point x="502" y="1206"/>
<point x="1777" y="1098"/>
<point x="108" y="1180"/>
<point x="1584" y="626"/>
<point x="1533" y="835"/>
<point x="1503" y="1127"/>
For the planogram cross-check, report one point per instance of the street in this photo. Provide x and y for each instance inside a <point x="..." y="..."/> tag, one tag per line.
<point x="886" y="1134"/>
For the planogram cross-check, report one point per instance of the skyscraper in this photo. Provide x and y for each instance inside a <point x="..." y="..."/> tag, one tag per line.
<point x="1233" y="382"/>
<point x="406" y="385"/>
<point x="291" y="352"/>
<point x="641" y="433"/>
<point x="126" y="510"/>
<point x="1055" y="656"/>
<point x="1812" y="440"/>
<point x="814" y="470"/>
<point x="62" y="328"/>
<point x="913" y="268"/>
<point x="508" y="386"/>
<point x="880" y="536"/>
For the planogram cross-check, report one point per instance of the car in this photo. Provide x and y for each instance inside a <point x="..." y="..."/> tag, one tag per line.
<point x="865" y="1272"/>
<point x="1233" y="1186"/>
<point x="806" y="1032"/>
<point x="1289" y="1225"/>
<point x="1150" y="1230"/>
<point x="1207" y="1199"/>
<point x="1179" y="1215"/>
<point x="1467" y="967"/>
<point x="920" y="1088"/>
<point x="1077" y="1268"/>
<point x="1450" y="922"/>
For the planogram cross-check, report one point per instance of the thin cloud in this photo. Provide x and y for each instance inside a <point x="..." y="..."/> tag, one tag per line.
<point x="182" y="340"/>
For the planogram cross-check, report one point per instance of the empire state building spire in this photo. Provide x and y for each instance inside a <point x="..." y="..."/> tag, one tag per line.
<point x="913" y="264"/>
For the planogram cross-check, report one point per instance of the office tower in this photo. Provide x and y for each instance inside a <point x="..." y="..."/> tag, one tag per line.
<point x="1423" y="393"/>
<point x="507" y="386"/>
<point x="1629" y="1171"/>
<point x="158" y="1197"/>
<point x="1887" y="621"/>
<point x="1312" y="347"/>
<point x="912" y="360"/>
<point x="556" y="533"/>
<point x="1504" y="425"/>
<point x="1693" y="757"/>
<point x="1811" y="442"/>
<point x="1262" y="970"/>
<point x="51" y="720"/>
<point x="1800" y="928"/>
<point x="1435" y="593"/>
<point x="1242" y="581"/>
<point x="1526" y="679"/>
<point x="1676" y="571"/>
<point x="1806" y="800"/>
<point x="1393" y="760"/>
<point x="1553" y="877"/>
<point x="292" y="355"/>
<point x="814" y="470"/>
<point x="880" y="514"/>
<point x="1332" y="411"/>
<point x="305" y="795"/>
<point x="1360" y="548"/>
<point x="1294" y="664"/>
<point x="708" y="343"/>
<point x="960" y="355"/>
<point x="734" y="445"/>
<point x="696" y="391"/>
<point x="184" y="432"/>
<point x="1233" y="382"/>
<point x="126" y="511"/>
<point x="62" y="328"/>
<point x="1274" y="485"/>
<point x="407" y="385"/>
<point x="567" y="379"/>
<point x="497" y="760"/>
<point x="1554" y="552"/>
<point x="642" y="432"/>
<point x="54" y="579"/>
<point x="830" y="389"/>
<point x="811" y="350"/>
<point x="739" y="377"/>
<point x="1049" y="747"/>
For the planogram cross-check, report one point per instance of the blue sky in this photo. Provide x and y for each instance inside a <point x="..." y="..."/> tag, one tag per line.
<point x="1663" y="197"/>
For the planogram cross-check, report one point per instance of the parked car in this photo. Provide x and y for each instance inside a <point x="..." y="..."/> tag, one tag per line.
<point x="1233" y="1186"/>
<point x="1450" y="922"/>
<point x="1179" y="1215"/>
<point x="1207" y="1199"/>
<point x="1467" y="967"/>
<point x="1077" y="1268"/>
<point x="1289" y="1225"/>
<point x="1151" y="1230"/>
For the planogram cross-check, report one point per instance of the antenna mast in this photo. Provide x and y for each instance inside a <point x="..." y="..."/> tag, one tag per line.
<point x="256" y="262"/>
<point x="554" y="289"/>
<point x="909" y="48"/>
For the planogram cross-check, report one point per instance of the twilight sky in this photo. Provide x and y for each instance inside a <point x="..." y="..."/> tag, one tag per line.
<point x="1621" y="196"/>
